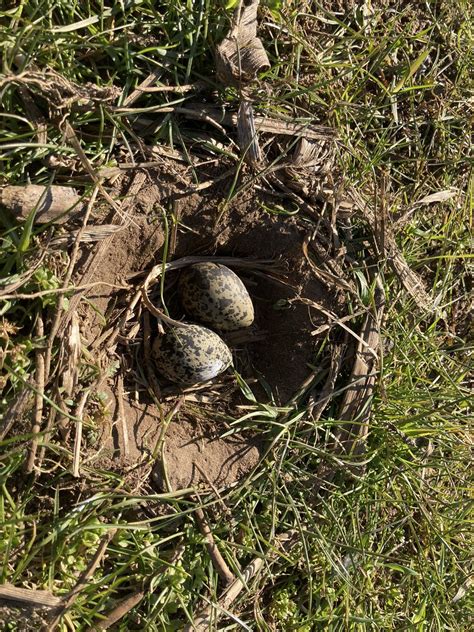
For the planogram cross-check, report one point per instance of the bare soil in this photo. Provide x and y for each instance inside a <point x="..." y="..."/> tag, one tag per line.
<point x="280" y="346"/>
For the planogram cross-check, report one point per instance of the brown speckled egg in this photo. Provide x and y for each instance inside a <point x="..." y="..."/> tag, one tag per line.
<point x="211" y="293"/>
<point x="190" y="355"/>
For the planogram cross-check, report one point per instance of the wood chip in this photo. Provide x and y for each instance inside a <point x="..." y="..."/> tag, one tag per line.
<point x="36" y="598"/>
<point x="52" y="204"/>
<point x="265" y="124"/>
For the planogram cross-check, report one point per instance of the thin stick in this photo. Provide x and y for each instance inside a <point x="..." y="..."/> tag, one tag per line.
<point x="317" y="406"/>
<point x="202" y="622"/>
<point x="63" y="290"/>
<point x="189" y="87"/>
<point x="213" y="487"/>
<point x="217" y="118"/>
<point x="219" y="562"/>
<point x="121" y="413"/>
<point x="195" y="188"/>
<point x="71" y="137"/>
<point x="78" y="438"/>
<point x="8" y="289"/>
<point x="158" y="313"/>
<point x="67" y="279"/>
<point x="147" y="356"/>
<point x="119" y="611"/>
<point x="35" y="598"/>
<point x="146" y="83"/>
<point x="336" y="321"/>
<point x="134" y="598"/>
<point x="356" y="404"/>
<point x="40" y="382"/>
<point x="410" y="280"/>
<point x="47" y="431"/>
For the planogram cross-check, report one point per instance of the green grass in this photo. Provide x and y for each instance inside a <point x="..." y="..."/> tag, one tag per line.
<point x="389" y="550"/>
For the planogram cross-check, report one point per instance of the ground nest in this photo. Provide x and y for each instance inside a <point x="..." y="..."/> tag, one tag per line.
<point x="274" y="356"/>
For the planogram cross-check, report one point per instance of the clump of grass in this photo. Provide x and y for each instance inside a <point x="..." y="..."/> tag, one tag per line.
<point x="387" y="549"/>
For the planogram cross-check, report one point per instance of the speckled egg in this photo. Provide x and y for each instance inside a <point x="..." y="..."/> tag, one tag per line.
<point x="190" y="355"/>
<point x="211" y="293"/>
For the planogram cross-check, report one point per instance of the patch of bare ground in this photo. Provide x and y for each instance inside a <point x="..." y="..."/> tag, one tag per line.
<point x="24" y="618"/>
<point x="277" y="350"/>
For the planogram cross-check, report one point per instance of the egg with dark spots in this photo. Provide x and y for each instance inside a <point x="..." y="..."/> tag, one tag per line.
<point x="212" y="294"/>
<point x="190" y="355"/>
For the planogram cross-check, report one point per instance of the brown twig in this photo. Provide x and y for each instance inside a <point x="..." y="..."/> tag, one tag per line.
<point x="35" y="598"/>
<point x="190" y="87"/>
<point x="150" y="373"/>
<point x="159" y="314"/>
<point x="72" y="262"/>
<point x="317" y="405"/>
<point x="71" y="137"/>
<point x="47" y="431"/>
<point x="119" y="611"/>
<point x="218" y="561"/>
<point x="63" y="290"/>
<point x="133" y="599"/>
<point x="336" y="321"/>
<point x="385" y="241"/>
<point x="333" y="280"/>
<point x="356" y="404"/>
<point x="155" y="75"/>
<point x="211" y="612"/>
<point x="11" y="287"/>
<point x="96" y="257"/>
<point x="121" y="414"/>
<point x="78" y="437"/>
<point x="39" y="402"/>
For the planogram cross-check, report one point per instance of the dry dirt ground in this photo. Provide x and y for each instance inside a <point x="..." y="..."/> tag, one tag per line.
<point x="276" y="352"/>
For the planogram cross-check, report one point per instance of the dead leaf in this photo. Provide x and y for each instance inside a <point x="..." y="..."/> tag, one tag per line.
<point x="439" y="196"/>
<point x="241" y="55"/>
<point x="248" y="139"/>
<point x="72" y="350"/>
